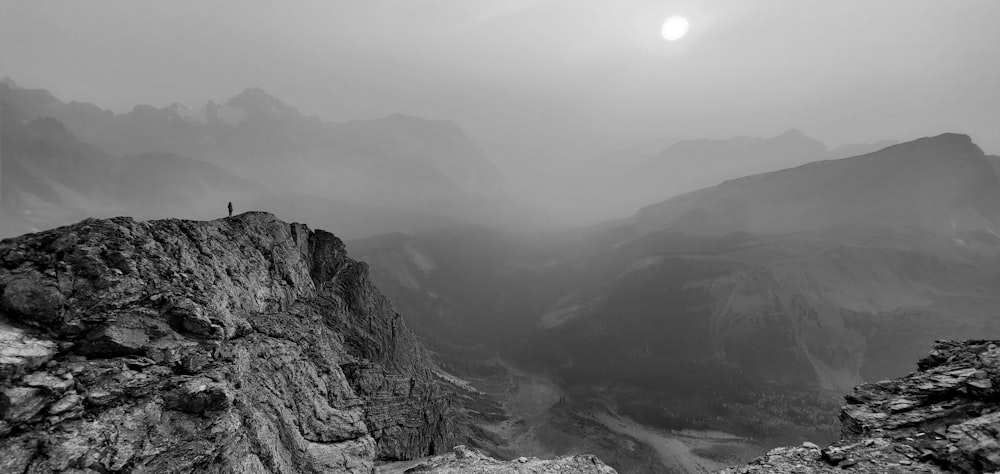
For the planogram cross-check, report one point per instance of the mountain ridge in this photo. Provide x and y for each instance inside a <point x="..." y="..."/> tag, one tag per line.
<point x="261" y="137"/>
<point x="52" y="177"/>
<point x="396" y="173"/>
<point x="903" y="183"/>
<point x="235" y="345"/>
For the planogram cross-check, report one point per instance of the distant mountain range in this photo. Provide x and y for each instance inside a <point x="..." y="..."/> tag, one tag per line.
<point x="253" y="148"/>
<point x="697" y="161"/>
<point x="50" y="177"/>
<point x="945" y="186"/>
<point x="256" y="135"/>
<point x="631" y="178"/>
<point x="706" y="162"/>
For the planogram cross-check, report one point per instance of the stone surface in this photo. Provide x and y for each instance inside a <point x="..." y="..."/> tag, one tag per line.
<point x="238" y="345"/>
<point x="943" y="418"/>
<point x="463" y="460"/>
<point x="20" y="352"/>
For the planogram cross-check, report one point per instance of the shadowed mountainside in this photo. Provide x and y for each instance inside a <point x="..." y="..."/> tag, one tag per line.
<point x="823" y="275"/>
<point x="744" y="308"/>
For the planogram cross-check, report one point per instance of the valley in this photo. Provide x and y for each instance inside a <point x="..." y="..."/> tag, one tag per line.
<point x="714" y="312"/>
<point x="504" y="237"/>
<point x="677" y="452"/>
<point x="545" y="421"/>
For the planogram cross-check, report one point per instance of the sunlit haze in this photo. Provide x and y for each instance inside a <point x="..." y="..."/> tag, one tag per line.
<point x="439" y="236"/>
<point x="544" y="86"/>
<point x="675" y="28"/>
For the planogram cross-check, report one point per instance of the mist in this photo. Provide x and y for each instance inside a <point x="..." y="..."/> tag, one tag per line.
<point x="534" y="228"/>
<point x="549" y="89"/>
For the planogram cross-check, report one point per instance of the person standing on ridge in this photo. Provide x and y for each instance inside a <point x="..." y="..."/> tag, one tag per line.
<point x="230" y="208"/>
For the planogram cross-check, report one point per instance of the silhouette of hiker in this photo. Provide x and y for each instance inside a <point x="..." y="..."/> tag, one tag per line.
<point x="230" y="209"/>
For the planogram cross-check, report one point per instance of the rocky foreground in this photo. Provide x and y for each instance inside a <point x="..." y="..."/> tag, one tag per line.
<point x="463" y="460"/>
<point x="943" y="418"/>
<point x="233" y="346"/>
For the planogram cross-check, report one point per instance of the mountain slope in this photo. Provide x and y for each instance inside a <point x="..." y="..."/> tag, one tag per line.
<point x="631" y="179"/>
<point x="44" y="161"/>
<point x="706" y="162"/>
<point x="50" y="177"/>
<point x="822" y="275"/>
<point x="237" y="345"/>
<point x="943" y="185"/>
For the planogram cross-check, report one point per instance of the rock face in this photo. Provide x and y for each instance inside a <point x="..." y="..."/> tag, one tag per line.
<point x="463" y="460"/>
<point x="943" y="418"/>
<point x="237" y="345"/>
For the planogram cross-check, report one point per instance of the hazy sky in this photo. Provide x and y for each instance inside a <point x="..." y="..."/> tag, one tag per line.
<point x="536" y="79"/>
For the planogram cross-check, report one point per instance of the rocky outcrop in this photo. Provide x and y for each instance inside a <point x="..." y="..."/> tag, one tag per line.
<point x="943" y="418"/>
<point x="237" y="345"/>
<point x="463" y="460"/>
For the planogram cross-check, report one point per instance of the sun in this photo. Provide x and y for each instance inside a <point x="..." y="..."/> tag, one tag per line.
<point x="674" y="28"/>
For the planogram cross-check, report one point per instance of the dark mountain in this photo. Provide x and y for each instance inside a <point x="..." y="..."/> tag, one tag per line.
<point x="745" y="307"/>
<point x="815" y="277"/>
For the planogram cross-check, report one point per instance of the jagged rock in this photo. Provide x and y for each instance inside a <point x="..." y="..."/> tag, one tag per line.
<point x="943" y="418"/>
<point x="65" y="404"/>
<point x="463" y="460"/>
<point x="20" y="404"/>
<point x="20" y="353"/>
<point x="48" y="381"/>
<point x="236" y="345"/>
<point x="32" y="298"/>
<point x="114" y="340"/>
<point x="198" y="396"/>
<point x="17" y="454"/>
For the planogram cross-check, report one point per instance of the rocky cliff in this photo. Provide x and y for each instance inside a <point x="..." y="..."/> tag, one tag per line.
<point x="943" y="418"/>
<point x="238" y="345"/>
<point x="463" y="460"/>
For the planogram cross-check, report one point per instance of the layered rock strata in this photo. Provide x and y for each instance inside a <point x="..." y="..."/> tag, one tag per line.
<point x="238" y="345"/>
<point x="943" y="418"/>
<point x="463" y="460"/>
